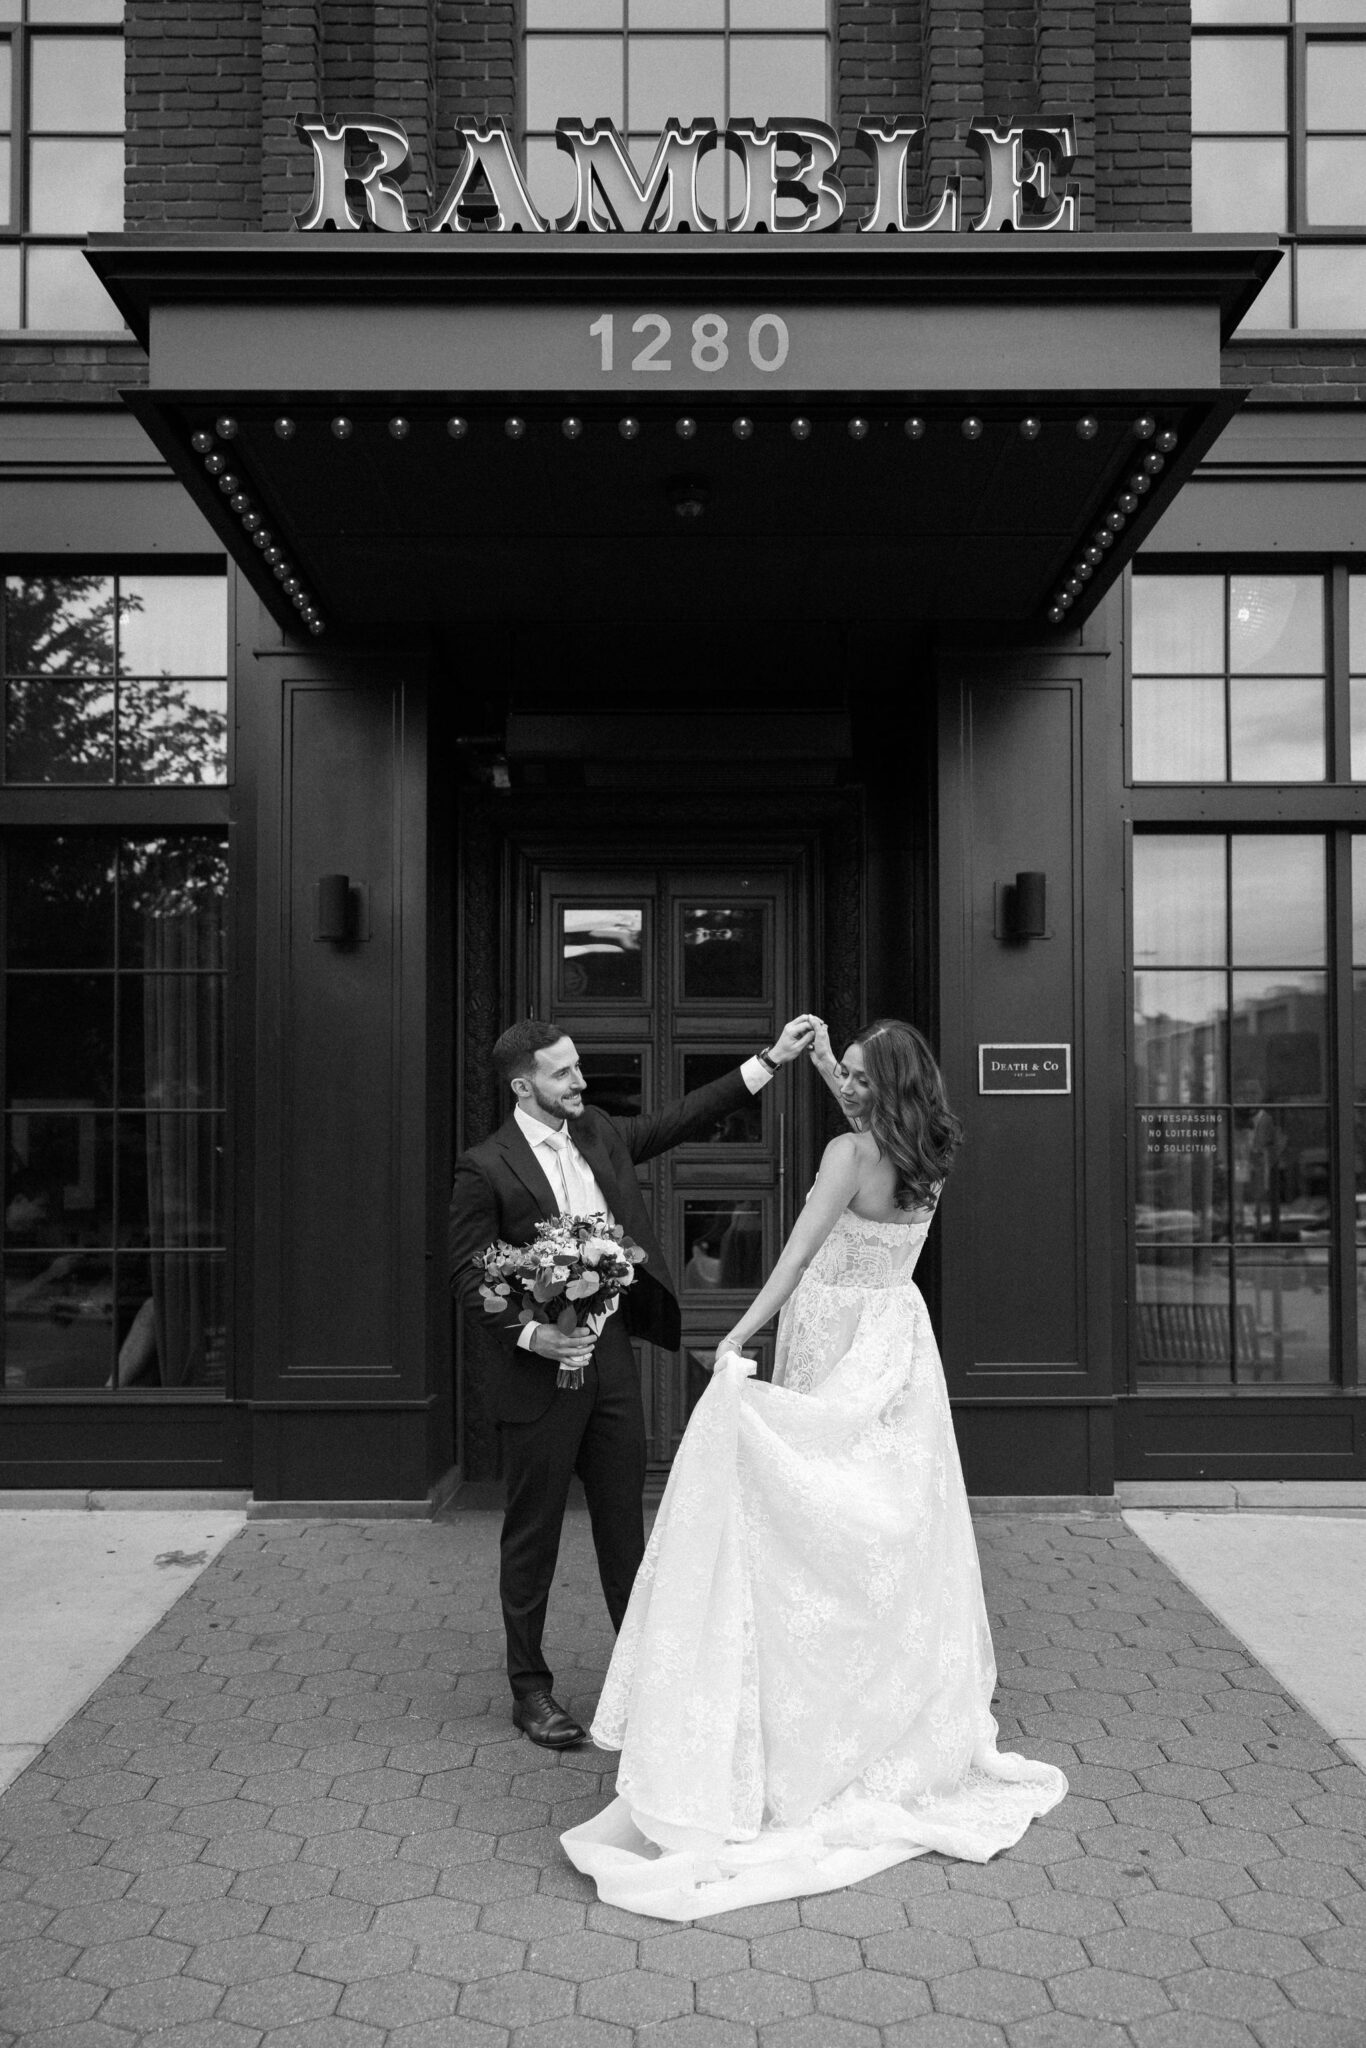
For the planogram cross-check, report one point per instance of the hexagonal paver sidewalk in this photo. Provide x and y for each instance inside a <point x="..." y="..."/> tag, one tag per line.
<point x="299" y="1817"/>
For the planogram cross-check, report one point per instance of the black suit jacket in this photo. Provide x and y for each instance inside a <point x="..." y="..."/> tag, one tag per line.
<point x="501" y="1192"/>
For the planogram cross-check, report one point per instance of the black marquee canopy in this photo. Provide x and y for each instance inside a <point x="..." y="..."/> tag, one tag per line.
<point x="397" y="429"/>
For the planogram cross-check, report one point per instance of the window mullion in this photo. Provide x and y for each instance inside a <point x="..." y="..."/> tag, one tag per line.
<point x="1338" y="673"/>
<point x="1343" y="1082"/>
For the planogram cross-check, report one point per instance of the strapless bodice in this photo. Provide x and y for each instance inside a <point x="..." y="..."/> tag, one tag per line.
<point x="862" y="1253"/>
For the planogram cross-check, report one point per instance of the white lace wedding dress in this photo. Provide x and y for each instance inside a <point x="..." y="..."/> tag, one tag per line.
<point x="801" y="1690"/>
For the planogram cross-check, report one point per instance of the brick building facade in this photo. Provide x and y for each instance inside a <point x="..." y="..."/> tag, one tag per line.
<point x="407" y="631"/>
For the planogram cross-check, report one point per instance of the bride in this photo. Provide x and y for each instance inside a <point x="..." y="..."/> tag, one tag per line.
<point x="801" y="1690"/>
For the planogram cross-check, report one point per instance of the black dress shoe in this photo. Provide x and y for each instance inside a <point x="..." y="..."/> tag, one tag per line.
<point x="545" y="1721"/>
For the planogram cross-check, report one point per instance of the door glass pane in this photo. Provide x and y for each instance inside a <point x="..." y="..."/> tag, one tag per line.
<point x="1179" y="1037"/>
<point x="76" y="84"/>
<point x="1335" y="85"/>
<point x="59" y="900"/>
<point x="1331" y="281"/>
<point x="724" y="952"/>
<point x="1336" y="185"/>
<point x="1279" y="1037"/>
<point x="59" y="1320"/>
<point x="601" y="954"/>
<point x="743" y="1125"/>
<point x="573" y="75"/>
<point x="775" y="75"/>
<point x="1275" y="625"/>
<point x="685" y="76"/>
<point x="1238" y="84"/>
<point x="1284" y="1319"/>
<point x="613" y="1081"/>
<point x="1178" y="729"/>
<point x="1283" y="1186"/>
<point x="1278" y="900"/>
<point x="1180" y="908"/>
<point x="1238" y="187"/>
<point x="59" y="732"/>
<point x="1183" y="1322"/>
<point x="1276" y="729"/>
<point x="1181" y="1176"/>
<point x="723" y="1243"/>
<point x="1178" y="625"/>
<point x="75" y="186"/>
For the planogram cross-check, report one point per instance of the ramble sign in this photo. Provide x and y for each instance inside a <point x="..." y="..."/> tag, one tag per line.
<point x="791" y="179"/>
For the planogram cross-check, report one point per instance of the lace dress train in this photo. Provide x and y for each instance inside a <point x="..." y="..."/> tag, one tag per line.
<point x="801" y="1690"/>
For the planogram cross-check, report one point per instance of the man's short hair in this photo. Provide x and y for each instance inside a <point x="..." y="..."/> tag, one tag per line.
<point x="514" y="1055"/>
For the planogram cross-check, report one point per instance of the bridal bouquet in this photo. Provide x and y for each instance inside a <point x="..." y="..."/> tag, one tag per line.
<point x="569" y="1275"/>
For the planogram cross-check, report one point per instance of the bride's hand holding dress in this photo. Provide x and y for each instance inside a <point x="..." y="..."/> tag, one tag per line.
<point x="801" y="1688"/>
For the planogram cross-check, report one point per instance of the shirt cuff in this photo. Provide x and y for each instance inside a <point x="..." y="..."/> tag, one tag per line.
<point x="755" y="1075"/>
<point x="525" y="1335"/>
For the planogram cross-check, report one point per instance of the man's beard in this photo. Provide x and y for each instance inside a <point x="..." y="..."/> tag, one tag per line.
<point x="551" y="1108"/>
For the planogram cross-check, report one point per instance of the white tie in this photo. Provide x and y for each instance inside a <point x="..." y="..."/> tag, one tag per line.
<point x="571" y="1185"/>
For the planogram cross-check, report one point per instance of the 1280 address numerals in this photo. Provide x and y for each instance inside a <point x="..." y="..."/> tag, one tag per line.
<point x="709" y="342"/>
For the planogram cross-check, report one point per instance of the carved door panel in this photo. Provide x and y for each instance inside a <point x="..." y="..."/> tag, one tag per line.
<point x="667" y="977"/>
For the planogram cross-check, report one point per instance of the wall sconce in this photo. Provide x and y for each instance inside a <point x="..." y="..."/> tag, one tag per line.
<point x="1022" y="906"/>
<point x="339" y="910"/>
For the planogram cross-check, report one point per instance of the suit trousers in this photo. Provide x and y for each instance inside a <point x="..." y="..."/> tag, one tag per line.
<point x="597" y="1432"/>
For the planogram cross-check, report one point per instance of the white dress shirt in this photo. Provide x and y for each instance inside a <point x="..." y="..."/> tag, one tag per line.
<point x="572" y="1181"/>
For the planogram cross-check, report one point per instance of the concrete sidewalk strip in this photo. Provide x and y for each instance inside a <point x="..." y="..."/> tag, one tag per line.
<point x="1293" y="1589"/>
<point x="297" y="1816"/>
<point x="78" y="1591"/>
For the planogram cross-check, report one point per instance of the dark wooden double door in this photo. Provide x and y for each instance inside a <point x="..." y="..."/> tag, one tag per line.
<point x="667" y="976"/>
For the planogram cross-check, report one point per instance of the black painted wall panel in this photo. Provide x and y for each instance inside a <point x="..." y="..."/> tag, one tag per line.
<point x="1009" y="800"/>
<point x="339" y="1053"/>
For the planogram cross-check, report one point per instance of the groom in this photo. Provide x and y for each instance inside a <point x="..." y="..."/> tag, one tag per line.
<point x="557" y="1155"/>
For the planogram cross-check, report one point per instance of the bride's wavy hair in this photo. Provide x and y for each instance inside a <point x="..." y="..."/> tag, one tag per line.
<point x="910" y="1116"/>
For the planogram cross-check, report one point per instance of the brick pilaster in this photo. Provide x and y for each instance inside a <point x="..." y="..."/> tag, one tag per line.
<point x="1143" y="113"/>
<point x="291" y="84"/>
<point x="953" y="77"/>
<point x="192" y="153"/>
<point x="1065" y="83"/>
<point x="877" y="71"/>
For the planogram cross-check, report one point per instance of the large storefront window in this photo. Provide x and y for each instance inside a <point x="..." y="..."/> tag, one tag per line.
<point x="637" y="62"/>
<point x="1247" y="736"/>
<point x="112" y="1059"/>
<point x="1278" y="114"/>
<point x="1232" y="1202"/>
<point x="61" y="158"/>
